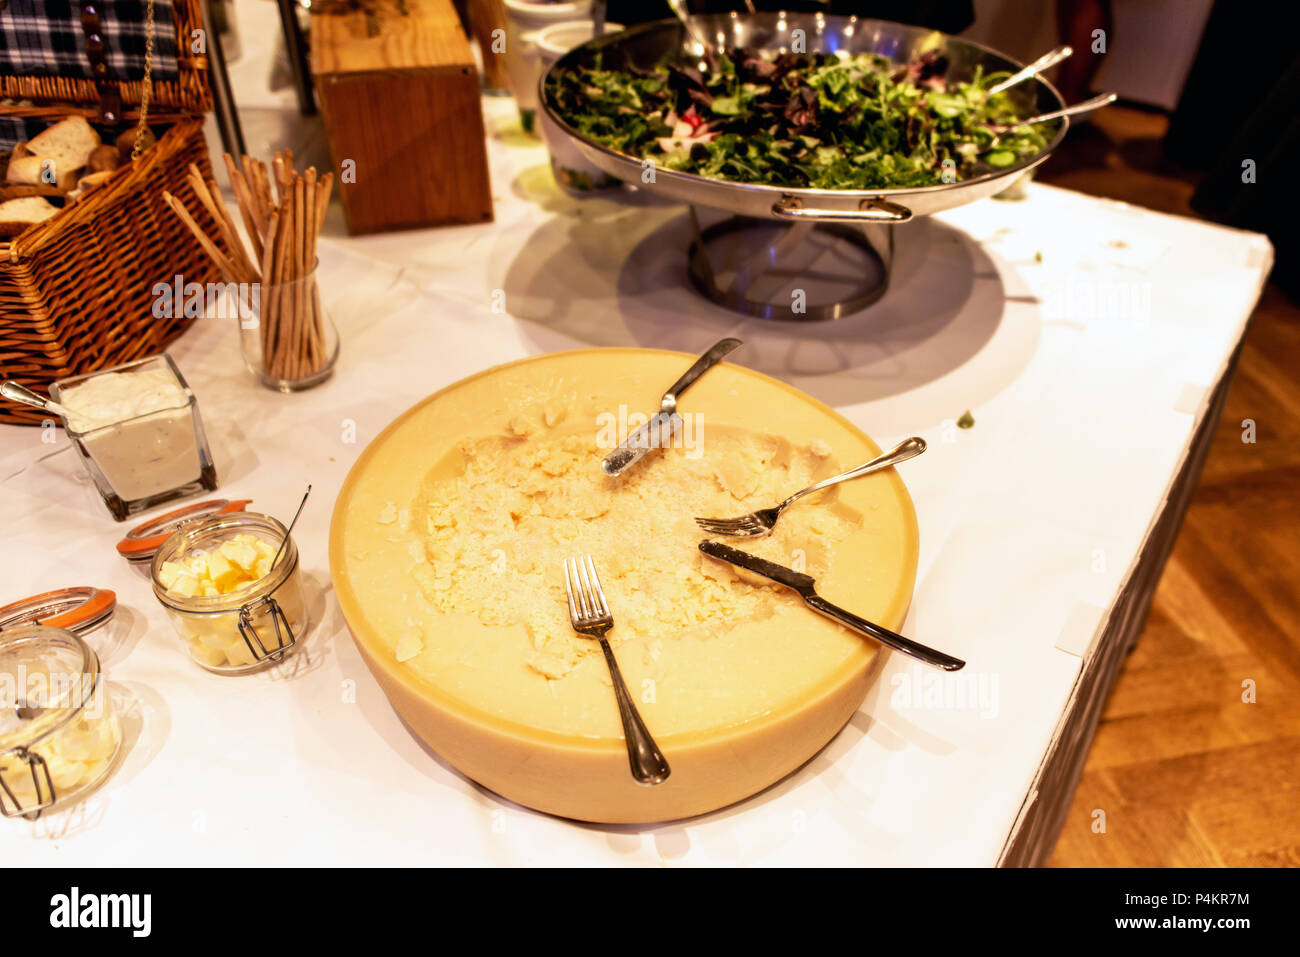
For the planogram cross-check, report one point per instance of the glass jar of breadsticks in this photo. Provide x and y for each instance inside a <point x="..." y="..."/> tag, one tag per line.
<point x="59" y="735"/>
<point x="287" y="336"/>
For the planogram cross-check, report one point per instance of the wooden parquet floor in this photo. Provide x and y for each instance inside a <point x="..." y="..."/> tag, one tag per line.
<point x="1187" y="772"/>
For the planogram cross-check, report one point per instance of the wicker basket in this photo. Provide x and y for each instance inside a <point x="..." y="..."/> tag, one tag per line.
<point x="76" y="291"/>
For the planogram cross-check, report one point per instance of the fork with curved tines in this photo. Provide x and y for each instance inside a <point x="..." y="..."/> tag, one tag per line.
<point x="589" y="612"/>
<point x="764" y="520"/>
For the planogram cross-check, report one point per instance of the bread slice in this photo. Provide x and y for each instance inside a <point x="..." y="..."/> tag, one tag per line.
<point x="37" y="170"/>
<point x="27" y="209"/>
<point x="68" y="142"/>
<point x="16" y="215"/>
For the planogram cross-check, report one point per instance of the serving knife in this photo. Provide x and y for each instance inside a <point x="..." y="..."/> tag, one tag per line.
<point x="664" y="424"/>
<point x="804" y="585"/>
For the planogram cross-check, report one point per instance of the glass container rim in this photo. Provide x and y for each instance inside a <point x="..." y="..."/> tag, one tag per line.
<point x="58" y="715"/>
<point x="310" y="274"/>
<point x="184" y="538"/>
<point x="59" y="386"/>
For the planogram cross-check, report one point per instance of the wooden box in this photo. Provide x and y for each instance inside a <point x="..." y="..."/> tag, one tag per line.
<point x="399" y="94"/>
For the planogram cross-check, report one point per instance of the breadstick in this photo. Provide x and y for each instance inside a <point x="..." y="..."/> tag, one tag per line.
<point x="284" y="319"/>
<point x="210" y="197"/>
<point x="223" y="264"/>
<point x="315" y="351"/>
<point x="299" y="285"/>
<point x="267" y="291"/>
<point x="250" y="262"/>
<point x="244" y="201"/>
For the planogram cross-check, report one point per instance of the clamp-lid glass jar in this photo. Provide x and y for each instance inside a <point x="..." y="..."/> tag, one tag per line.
<point x="235" y="611"/>
<point x="59" y="736"/>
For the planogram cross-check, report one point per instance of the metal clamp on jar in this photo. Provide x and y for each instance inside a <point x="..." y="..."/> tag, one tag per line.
<point x="59" y="737"/>
<point x="242" y="620"/>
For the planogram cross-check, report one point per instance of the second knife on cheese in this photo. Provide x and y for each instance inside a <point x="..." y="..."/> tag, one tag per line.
<point x="804" y="585"/>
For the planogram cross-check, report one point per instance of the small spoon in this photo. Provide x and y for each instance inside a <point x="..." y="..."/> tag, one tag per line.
<point x="289" y="530"/>
<point x="20" y="393"/>
<point x="1044" y="62"/>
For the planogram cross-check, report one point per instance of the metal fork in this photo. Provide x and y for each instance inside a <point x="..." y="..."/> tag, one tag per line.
<point x="590" y="615"/>
<point x="764" y="520"/>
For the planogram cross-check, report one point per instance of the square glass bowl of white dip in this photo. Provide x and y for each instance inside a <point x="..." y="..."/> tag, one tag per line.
<point x="137" y="429"/>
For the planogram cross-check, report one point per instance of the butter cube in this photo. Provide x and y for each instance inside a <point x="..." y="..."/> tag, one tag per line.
<point x="74" y="744"/>
<point x="169" y="572"/>
<point x="218" y="633"/>
<point x="225" y="574"/>
<point x="104" y="741"/>
<point x="239" y="654"/>
<point x="65" y="774"/>
<point x="240" y="552"/>
<point x="212" y="657"/>
<point x="185" y="584"/>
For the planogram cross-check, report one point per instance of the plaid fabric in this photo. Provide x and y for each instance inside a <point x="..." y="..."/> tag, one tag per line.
<point x="14" y="129"/>
<point x="45" y="38"/>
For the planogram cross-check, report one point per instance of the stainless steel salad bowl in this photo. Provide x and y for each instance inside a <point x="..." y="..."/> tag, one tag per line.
<point x="646" y="45"/>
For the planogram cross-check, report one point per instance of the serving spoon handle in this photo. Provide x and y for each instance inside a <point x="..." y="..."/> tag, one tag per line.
<point x="684" y="16"/>
<point x="1087" y="106"/>
<point x="1044" y="62"/>
<point x="20" y="393"/>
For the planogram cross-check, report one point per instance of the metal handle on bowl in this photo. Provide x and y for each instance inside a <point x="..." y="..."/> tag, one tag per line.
<point x="869" y="211"/>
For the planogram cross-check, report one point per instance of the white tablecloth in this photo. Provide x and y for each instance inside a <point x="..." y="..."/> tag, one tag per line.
<point x="1084" y="336"/>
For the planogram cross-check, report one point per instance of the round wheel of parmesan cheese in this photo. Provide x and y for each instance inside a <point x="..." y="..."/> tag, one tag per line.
<point x="447" y="548"/>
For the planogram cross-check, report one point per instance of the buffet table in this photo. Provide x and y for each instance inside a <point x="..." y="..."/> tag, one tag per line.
<point x="1091" y="342"/>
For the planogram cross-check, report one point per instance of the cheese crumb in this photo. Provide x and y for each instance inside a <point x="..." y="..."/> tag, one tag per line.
<point x="521" y="426"/>
<point x="554" y="414"/>
<point x="410" y="644"/>
<point x="534" y="499"/>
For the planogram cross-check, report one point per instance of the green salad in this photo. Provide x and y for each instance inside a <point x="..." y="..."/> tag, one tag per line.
<point x="805" y="120"/>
